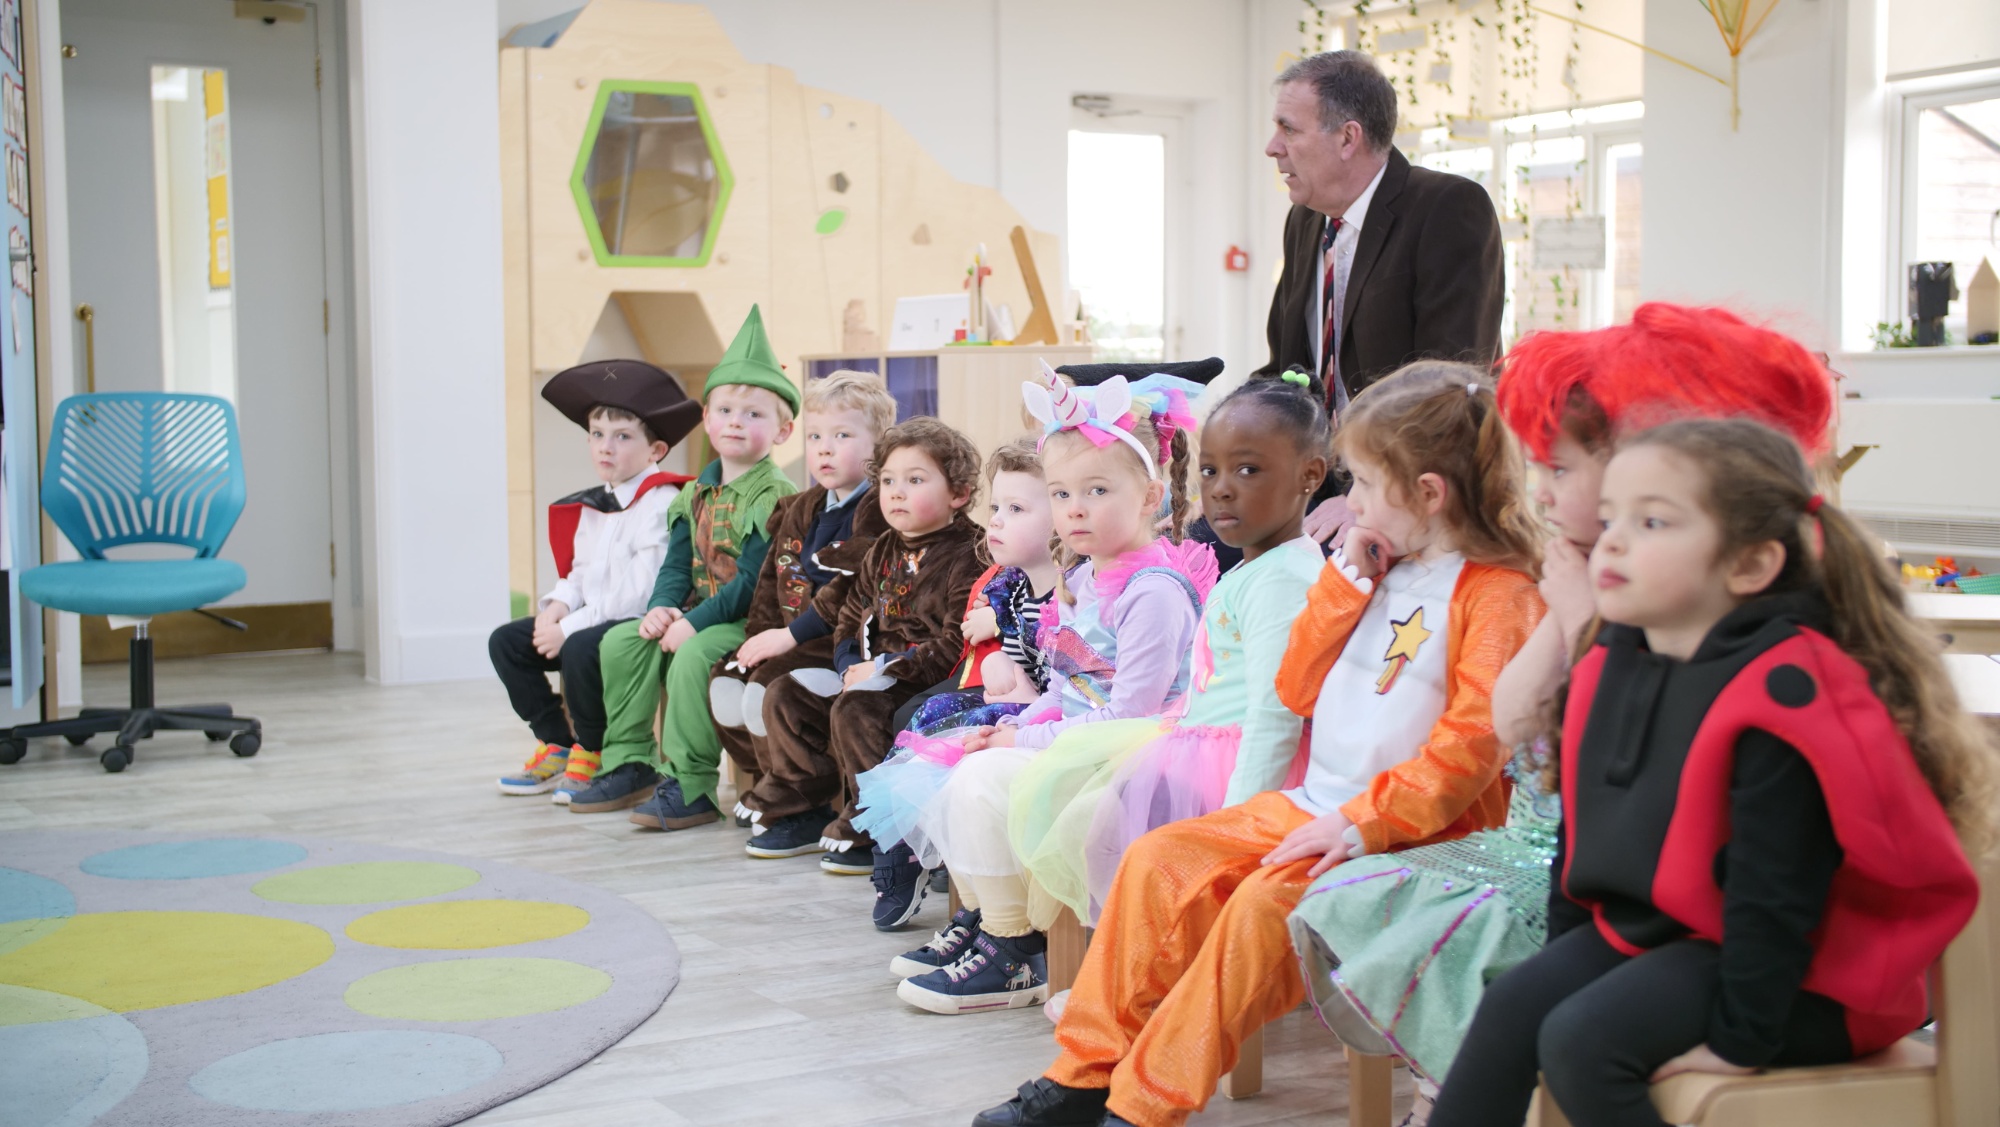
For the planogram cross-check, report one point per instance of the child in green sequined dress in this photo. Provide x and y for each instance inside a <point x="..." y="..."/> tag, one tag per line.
<point x="1397" y="948"/>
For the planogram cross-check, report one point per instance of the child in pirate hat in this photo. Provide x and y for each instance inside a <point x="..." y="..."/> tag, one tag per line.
<point x="608" y="542"/>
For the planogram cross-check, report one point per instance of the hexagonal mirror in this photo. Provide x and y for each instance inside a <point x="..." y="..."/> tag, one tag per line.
<point x="651" y="182"/>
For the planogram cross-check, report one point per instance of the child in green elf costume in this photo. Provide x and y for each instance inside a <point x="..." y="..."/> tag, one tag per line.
<point x="715" y="548"/>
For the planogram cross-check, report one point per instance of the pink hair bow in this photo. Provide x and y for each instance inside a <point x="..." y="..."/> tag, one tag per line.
<point x="1108" y="412"/>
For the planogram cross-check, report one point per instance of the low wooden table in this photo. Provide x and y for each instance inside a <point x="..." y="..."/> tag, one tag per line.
<point x="1970" y="622"/>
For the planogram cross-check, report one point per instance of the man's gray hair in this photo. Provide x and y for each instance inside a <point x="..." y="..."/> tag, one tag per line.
<point x="1350" y="88"/>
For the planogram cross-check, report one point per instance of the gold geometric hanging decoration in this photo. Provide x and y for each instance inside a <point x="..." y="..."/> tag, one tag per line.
<point x="1738" y="21"/>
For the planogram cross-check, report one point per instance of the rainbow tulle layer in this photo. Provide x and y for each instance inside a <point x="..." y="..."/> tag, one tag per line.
<point x="1077" y="808"/>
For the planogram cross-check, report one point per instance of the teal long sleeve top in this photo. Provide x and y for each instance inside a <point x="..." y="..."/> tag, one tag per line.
<point x="676" y="580"/>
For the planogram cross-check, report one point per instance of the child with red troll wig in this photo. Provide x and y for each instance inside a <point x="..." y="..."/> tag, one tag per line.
<point x="1398" y="947"/>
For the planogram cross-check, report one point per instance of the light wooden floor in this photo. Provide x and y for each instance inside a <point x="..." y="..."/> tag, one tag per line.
<point x="785" y="1014"/>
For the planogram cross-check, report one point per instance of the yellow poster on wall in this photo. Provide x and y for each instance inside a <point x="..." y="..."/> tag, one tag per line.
<point x="215" y="105"/>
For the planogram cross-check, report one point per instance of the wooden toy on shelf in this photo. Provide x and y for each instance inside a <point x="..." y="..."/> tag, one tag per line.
<point x="977" y="390"/>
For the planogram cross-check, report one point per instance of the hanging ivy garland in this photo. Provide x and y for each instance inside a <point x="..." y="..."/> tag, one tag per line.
<point x="1425" y="71"/>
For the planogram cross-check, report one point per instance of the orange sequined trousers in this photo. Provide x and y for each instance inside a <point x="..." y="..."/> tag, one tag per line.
<point x="1191" y="956"/>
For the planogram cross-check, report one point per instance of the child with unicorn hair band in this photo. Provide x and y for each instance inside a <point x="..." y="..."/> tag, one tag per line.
<point x="1115" y="640"/>
<point x="1075" y="809"/>
<point x="1395" y="653"/>
<point x="1397" y="949"/>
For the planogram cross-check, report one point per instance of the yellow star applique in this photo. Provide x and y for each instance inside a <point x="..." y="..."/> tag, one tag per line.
<point x="1410" y="634"/>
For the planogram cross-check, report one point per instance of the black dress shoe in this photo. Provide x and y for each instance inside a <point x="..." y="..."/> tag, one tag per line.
<point x="1042" y="1102"/>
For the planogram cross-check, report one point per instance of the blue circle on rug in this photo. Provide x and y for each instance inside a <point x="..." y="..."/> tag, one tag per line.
<point x="357" y="1071"/>
<point x="64" y="1060"/>
<point x="30" y="908"/>
<point x="186" y="860"/>
<point x="25" y="896"/>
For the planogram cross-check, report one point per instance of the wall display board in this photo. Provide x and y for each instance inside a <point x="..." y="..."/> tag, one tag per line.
<point x="20" y="448"/>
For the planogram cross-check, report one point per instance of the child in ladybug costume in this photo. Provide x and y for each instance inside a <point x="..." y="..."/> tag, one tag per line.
<point x="1766" y="777"/>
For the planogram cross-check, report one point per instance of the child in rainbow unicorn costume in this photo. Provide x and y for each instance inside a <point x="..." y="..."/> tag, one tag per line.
<point x="1115" y="642"/>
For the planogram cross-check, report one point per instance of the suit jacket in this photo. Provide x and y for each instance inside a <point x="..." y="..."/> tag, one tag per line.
<point x="1427" y="281"/>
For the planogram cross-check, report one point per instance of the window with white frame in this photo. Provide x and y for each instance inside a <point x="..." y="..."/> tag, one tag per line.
<point x="1567" y="187"/>
<point x="1949" y="196"/>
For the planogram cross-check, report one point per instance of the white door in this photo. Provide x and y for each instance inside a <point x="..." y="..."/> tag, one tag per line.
<point x="259" y="278"/>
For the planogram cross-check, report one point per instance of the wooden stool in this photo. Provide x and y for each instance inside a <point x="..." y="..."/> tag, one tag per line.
<point x="1068" y="940"/>
<point x="1954" y="1084"/>
<point x="1368" y="1089"/>
<point x="1247" y="1078"/>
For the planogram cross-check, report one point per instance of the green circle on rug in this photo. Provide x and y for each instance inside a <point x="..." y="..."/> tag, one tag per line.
<point x="465" y="925"/>
<point x="127" y="961"/>
<point x="475" y="989"/>
<point x="366" y="882"/>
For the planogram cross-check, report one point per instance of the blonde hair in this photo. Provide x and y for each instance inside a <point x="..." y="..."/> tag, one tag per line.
<point x="1438" y="417"/>
<point x="850" y="390"/>
<point x="1019" y="455"/>
<point x="1758" y="488"/>
<point x="1174" y="475"/>
<point x="1014" y="456"/>
<point x="780" y="406"/>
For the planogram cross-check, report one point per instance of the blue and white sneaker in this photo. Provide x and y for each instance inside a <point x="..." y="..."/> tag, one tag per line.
<point x="901" y="883"/>
<point x="999" y="973"/>
<point x="944" y="949"/>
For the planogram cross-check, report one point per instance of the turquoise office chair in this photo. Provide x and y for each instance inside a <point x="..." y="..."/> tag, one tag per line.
<point x="141" y="467"/>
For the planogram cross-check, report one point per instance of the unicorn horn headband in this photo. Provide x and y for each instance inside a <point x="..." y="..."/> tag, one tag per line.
<point x="1107" y="413"/>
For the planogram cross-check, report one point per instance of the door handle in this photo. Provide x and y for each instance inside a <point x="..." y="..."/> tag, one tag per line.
<point x="88" y="316"/>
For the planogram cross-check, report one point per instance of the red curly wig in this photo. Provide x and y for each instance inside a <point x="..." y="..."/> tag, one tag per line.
<point x="1671" y="361"/>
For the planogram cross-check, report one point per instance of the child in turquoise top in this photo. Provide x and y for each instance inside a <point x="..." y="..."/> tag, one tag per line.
<point x="1073" y="811"/>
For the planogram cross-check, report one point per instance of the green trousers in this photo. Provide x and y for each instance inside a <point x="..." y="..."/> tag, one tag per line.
<point x="636" y="672"/>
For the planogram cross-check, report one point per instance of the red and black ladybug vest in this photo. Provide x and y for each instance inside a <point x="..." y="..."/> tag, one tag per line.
<point x="1648" y="750"/>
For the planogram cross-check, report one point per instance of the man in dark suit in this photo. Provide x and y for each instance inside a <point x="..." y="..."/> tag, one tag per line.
<point x="1384" y="263"/>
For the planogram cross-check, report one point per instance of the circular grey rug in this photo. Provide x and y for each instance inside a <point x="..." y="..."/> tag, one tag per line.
<point x="220" y="981"/>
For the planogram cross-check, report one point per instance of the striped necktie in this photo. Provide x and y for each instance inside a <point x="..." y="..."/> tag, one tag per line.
<point x="1329" y="316"/>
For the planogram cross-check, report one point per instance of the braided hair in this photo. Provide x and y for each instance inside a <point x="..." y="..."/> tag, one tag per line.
<point x="1295" y="399"/>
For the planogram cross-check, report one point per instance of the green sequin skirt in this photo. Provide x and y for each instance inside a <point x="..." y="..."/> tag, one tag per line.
<point x="1397" y="948"/>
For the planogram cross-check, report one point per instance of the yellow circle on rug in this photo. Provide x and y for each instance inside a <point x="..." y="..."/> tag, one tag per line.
<point x="476" y="989"/>
<point x="465" y="925"/>
<point x="127" y="961"/>
<point x="366" y="882"/>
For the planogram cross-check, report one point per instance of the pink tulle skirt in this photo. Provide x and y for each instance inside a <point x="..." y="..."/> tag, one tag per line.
<point x="1182" y="774"/>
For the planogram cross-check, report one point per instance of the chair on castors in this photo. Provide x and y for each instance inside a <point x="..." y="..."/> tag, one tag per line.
<point x="140" y="468"/>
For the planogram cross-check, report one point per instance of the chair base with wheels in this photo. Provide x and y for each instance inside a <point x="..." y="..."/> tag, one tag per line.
<point x="139" y="721"/>
<point x="128" y="468"/>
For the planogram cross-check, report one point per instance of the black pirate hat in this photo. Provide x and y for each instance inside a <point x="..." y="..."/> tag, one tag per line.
<point x="629" y="385"/>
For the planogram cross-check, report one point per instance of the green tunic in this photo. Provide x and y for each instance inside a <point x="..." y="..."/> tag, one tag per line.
<point x="715" y="548"/>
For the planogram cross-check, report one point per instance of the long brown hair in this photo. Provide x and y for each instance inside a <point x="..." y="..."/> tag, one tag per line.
<point x="1436" y="416"/>
<point x="1758" y="489"/>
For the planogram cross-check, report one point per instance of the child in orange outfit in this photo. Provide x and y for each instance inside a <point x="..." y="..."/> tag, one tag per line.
<point x="1396" y="653"/>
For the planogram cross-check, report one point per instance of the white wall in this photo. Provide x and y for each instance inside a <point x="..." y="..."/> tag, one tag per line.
<point x="1746" y="218"/>
<point x="426" y="166"/>
<point x="1927" y="36"/>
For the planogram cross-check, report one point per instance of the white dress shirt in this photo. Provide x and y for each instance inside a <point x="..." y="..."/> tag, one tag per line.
<point x="1344" y="244"/>
<point x="617" y="557"/>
